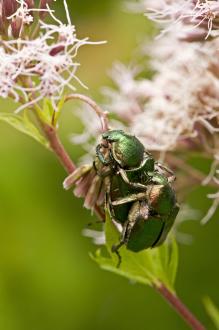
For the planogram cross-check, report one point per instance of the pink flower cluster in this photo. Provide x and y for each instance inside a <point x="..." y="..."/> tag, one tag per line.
<point x="39" y="63"/>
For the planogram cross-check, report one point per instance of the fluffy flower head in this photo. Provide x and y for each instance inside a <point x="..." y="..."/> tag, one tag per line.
<point x="40" y="65"/>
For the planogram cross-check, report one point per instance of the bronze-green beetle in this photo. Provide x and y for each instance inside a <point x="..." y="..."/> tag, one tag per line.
<point x="139" y="193"/>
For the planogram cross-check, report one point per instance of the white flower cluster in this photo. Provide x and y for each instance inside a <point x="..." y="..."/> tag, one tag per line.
<point x="43" y="66"/>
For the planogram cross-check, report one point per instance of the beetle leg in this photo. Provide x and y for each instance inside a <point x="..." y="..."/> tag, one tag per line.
<point x="171" y="179"/>
<point x="168" y="170"/>
<point x="130" y="198"/>
<point x="108" y="203"/>
<point x="115" y="249"/>
<point x="107" y="183"/>
<point x="132" y="184"/>
<point x="100" y="155"/>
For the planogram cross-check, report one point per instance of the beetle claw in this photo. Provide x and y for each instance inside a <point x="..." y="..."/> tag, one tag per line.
<point x="115" y="249"/>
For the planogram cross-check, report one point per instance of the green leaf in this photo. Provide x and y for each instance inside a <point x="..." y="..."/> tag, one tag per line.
<point x="48" y="110"/>
<point x="24" y="125"/>
<point x="212" y="311"/>
<point x="151" y="266"/>
<point x="48" y="114"/>
<point x="59" y="109"/>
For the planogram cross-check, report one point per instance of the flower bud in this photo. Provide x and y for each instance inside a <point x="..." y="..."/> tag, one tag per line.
<point x="1" y="20"/>
<point x="43" y="5"/>
<point x="9" y="7"/>
<point x="56" y="50"/>
<point x="16" y="26"/>
<point x="30" y="3"/>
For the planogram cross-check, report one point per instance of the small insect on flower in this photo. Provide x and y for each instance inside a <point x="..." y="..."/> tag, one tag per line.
<point x="138" y="191"/>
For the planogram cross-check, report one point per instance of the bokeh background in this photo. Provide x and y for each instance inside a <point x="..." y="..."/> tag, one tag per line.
<point x="47" y="279"/>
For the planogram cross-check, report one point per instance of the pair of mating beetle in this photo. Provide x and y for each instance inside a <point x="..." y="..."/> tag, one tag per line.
<point x="139" y="195"/>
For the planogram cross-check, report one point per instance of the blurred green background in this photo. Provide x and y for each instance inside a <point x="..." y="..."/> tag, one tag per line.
<point x="47" y="279"/>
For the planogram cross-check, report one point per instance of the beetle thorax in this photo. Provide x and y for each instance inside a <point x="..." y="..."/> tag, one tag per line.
<point x="128" y="152"/>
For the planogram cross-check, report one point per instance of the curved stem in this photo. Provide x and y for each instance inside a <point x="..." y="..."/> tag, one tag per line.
<point x="179" y="307"/>
<point x="63" y="157"/>
<point x="101" y="114"/>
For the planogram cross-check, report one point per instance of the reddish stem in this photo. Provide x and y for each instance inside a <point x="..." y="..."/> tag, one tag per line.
<point x="179" y="307"/>
<point x="63" y="157"/>
<point x="102" y="114"/>
<point x="58" y="148"/>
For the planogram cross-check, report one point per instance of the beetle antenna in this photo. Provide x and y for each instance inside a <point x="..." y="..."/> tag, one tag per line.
<point x="167" y="169"/>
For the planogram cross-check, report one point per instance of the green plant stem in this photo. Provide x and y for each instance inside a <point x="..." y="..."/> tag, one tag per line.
<point x="179" y="307"/>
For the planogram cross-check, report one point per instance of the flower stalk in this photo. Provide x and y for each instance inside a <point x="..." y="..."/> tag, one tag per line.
<point x="58" y="148"/>
<point x="179" y="307"/>
<point x="103" y="115"/>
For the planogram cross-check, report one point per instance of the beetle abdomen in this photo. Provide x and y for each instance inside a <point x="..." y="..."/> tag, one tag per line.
<point x="144" y="230"/>
<point x="145" y="233"/>
<point x="161" y="198"/>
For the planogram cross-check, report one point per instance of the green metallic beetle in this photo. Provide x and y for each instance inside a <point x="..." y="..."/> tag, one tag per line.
<point x="138" y="190"/>
<point x="138" y="193"/>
